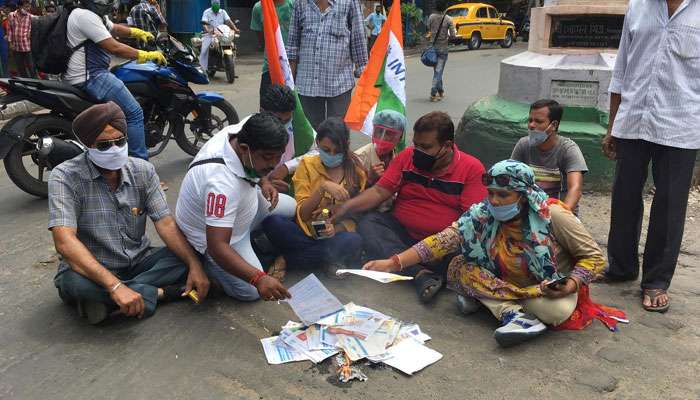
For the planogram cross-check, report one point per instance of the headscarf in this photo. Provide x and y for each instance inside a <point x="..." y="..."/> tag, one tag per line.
<point x="89" y="124"/>
<point x="478" y="227"/>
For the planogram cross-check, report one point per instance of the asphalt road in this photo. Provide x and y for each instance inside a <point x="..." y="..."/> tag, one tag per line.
<point x="212" y="351"/>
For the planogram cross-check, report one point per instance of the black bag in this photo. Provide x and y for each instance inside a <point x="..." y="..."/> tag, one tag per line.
<point x="429" y="55"/>
<point x="50" y="48"/>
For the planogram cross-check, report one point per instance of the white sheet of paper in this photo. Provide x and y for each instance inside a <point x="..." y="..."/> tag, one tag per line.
<point x="311" y="301"/>
<point x="413" y="331"/>
<point x="278" y="352"/>
<point x="383" y="277"/>
<point x="299" y="342"/>
<point x="410" y="356"/>
<point x="313" y="339"/>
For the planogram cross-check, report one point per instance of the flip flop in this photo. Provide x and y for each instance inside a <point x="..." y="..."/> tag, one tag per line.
<point x="653" y="294"/>
<point x="428" y="284"/>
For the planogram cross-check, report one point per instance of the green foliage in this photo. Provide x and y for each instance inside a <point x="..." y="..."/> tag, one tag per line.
<point x="412" y="18"/>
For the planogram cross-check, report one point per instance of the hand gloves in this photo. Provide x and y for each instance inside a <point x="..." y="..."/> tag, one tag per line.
<point x="155" y="56"/>
<point x="140" y="35"/>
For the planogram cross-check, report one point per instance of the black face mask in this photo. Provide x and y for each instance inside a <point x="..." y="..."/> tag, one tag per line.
<point x="424" y="161"/>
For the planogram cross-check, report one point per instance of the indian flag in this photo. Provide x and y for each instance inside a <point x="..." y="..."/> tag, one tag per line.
<point x="382" y="85"/>
<point x="301" y="134"/>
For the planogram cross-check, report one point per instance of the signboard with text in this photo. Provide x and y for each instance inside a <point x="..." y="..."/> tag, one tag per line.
<point x="586" y="31"/>
<point x="575" y="93"/>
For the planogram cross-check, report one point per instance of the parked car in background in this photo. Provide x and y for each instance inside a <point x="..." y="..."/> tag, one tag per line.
<point x="477" y="23"/>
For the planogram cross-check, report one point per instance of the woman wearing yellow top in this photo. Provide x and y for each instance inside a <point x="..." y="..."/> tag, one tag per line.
<point x="322" y="182"/>
<point x="526" y="258"/>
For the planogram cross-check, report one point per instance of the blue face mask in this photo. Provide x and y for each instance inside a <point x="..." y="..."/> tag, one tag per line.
<point x="504" y="213"/>
<point x="330" y="161"/>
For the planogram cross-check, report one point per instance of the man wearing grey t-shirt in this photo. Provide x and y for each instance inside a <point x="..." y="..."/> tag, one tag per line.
<point x="557" y="161"/>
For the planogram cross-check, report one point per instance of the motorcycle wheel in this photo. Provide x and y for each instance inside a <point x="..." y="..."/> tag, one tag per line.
<point x="22" y="156"/>
<point x="222" y="114"/>
<point x="230" y="68"/>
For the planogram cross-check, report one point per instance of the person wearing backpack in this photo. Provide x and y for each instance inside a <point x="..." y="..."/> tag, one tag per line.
<point x="441" y="28"/>
<point x="89" y="33"/>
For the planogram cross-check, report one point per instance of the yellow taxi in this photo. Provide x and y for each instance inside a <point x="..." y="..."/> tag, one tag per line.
<point x="477" y="23"/>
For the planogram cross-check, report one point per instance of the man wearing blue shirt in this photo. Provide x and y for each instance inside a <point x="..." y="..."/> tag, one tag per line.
<point x="374" y="22"/>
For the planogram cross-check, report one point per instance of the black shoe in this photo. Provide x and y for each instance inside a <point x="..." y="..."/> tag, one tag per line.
<point x="172" y="293"/>
<point x="95" y="312"/>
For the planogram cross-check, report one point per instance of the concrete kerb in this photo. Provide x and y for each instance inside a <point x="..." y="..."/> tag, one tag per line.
<point x="490" y="128"/>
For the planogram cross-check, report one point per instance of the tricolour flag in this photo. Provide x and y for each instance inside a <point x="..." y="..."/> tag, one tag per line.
<point x="382" y="84"/>
<point x="302" y="134"/>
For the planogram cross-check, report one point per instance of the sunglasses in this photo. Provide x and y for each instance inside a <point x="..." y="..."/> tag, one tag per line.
<point x="501" y="180"/>
<point x="104" y="145"/>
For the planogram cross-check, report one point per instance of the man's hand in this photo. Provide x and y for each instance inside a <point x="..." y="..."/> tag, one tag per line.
<point x="130" y="302"/>
<point x="609" y="148"/>
<point x="140" y="35"/>
<point x="269" y="192"/>
<point x="155" y="56"/>
<point x="197" y="280"/>
<point x="338" y="192"/>
<point x="280" y="185"/>
<point x="271" y="289"/>
<point x="562" y="290"/>
<point x="381" y="265"/>
<point x="329" y="232"/>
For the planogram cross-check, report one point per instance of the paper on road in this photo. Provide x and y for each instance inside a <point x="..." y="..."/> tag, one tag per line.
<point x="311" y="301"/>
<point x="410" y="356"/>
<point x="278" y="352"/>
<point x="383" y="277"/>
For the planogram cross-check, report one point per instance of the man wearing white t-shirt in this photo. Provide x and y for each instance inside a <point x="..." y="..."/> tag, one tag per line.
<point x="211" y="19"/>
<point x="89" y="32"/>
<point x="222" y="199"/>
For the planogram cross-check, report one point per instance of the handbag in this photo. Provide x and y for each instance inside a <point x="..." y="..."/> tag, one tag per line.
<point x="429" y="56"/>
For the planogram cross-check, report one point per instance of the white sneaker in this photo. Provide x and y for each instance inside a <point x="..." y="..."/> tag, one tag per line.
<point x="517" y="327"/>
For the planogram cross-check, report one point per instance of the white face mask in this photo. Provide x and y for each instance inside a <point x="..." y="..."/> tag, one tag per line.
<point x="111" y="159"/>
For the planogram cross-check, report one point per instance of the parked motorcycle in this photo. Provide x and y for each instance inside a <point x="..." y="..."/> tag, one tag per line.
<point x="171" y="110"/>
<point x="222" y="51"/>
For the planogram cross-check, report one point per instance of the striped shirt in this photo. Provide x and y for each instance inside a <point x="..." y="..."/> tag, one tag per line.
<point x="326" y="45"/>
<point x="656" y="72"/>
<point x="112" y="225"/>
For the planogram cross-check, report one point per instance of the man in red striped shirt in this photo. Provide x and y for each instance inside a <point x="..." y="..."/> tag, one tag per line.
<point x="19" y="31"/>
<point x="434" y="183"/>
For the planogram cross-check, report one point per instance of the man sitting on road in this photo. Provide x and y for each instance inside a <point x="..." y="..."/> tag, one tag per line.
<point x="98" y="203"/>
<point x="389" y="128"/>
<point x="223" y="198"/>
<point x="557" y="161"/>
<point x="211" y="19"/>
<point x="89" y="32"/>
<point x="434" y="183"/>
<point x="279" y="100"/>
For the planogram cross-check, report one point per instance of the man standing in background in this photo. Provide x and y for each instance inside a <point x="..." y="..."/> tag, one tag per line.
<point x="147" y="16"/>
<point x="19" y="32"/>
<point x="374" y="22"/>
<point x="284" y="10"/>
<point x="326" y="43"/>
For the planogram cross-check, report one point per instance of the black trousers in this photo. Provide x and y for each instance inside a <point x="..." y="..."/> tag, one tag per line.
<point x="25" y="64"/>
<point x="317" y="109"/>
<point x="265" y="82"/>
<point x="383" y="236"/>
<point x="672" y="170"/>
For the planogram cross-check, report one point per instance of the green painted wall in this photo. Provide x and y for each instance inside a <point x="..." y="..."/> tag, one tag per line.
<point x="490" y="128"/>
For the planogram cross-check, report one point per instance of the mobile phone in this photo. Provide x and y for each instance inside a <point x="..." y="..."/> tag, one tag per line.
<point x="553" y="285"/>
<point x="319" y="227"/>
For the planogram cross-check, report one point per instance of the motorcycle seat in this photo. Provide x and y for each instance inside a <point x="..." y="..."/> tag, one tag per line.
<point x="42" y="84"/>
<point x="58" y="85"/>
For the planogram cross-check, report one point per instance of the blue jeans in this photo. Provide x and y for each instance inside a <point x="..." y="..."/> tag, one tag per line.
<point x="437" y="74"/>
<point x="232" y="285"/>
<point x="300" y="250"/>
<point x="161" y="268"/>
<point x="107" y="87"/>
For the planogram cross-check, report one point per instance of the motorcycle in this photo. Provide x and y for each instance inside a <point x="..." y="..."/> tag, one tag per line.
<point x="222" y="51"/>
<point x="170" y="108"/>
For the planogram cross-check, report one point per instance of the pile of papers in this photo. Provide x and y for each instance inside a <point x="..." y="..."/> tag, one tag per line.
<point x="358" y="332"/>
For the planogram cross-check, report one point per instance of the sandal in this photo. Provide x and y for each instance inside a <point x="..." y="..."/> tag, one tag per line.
<point x="278" y="269"/>
<point x="428" y="284"/>
<point x="653" y="295"/>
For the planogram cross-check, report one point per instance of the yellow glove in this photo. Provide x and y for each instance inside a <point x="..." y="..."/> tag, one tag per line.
<point x="155" y="56"/>
<point x="140" y="35"/>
